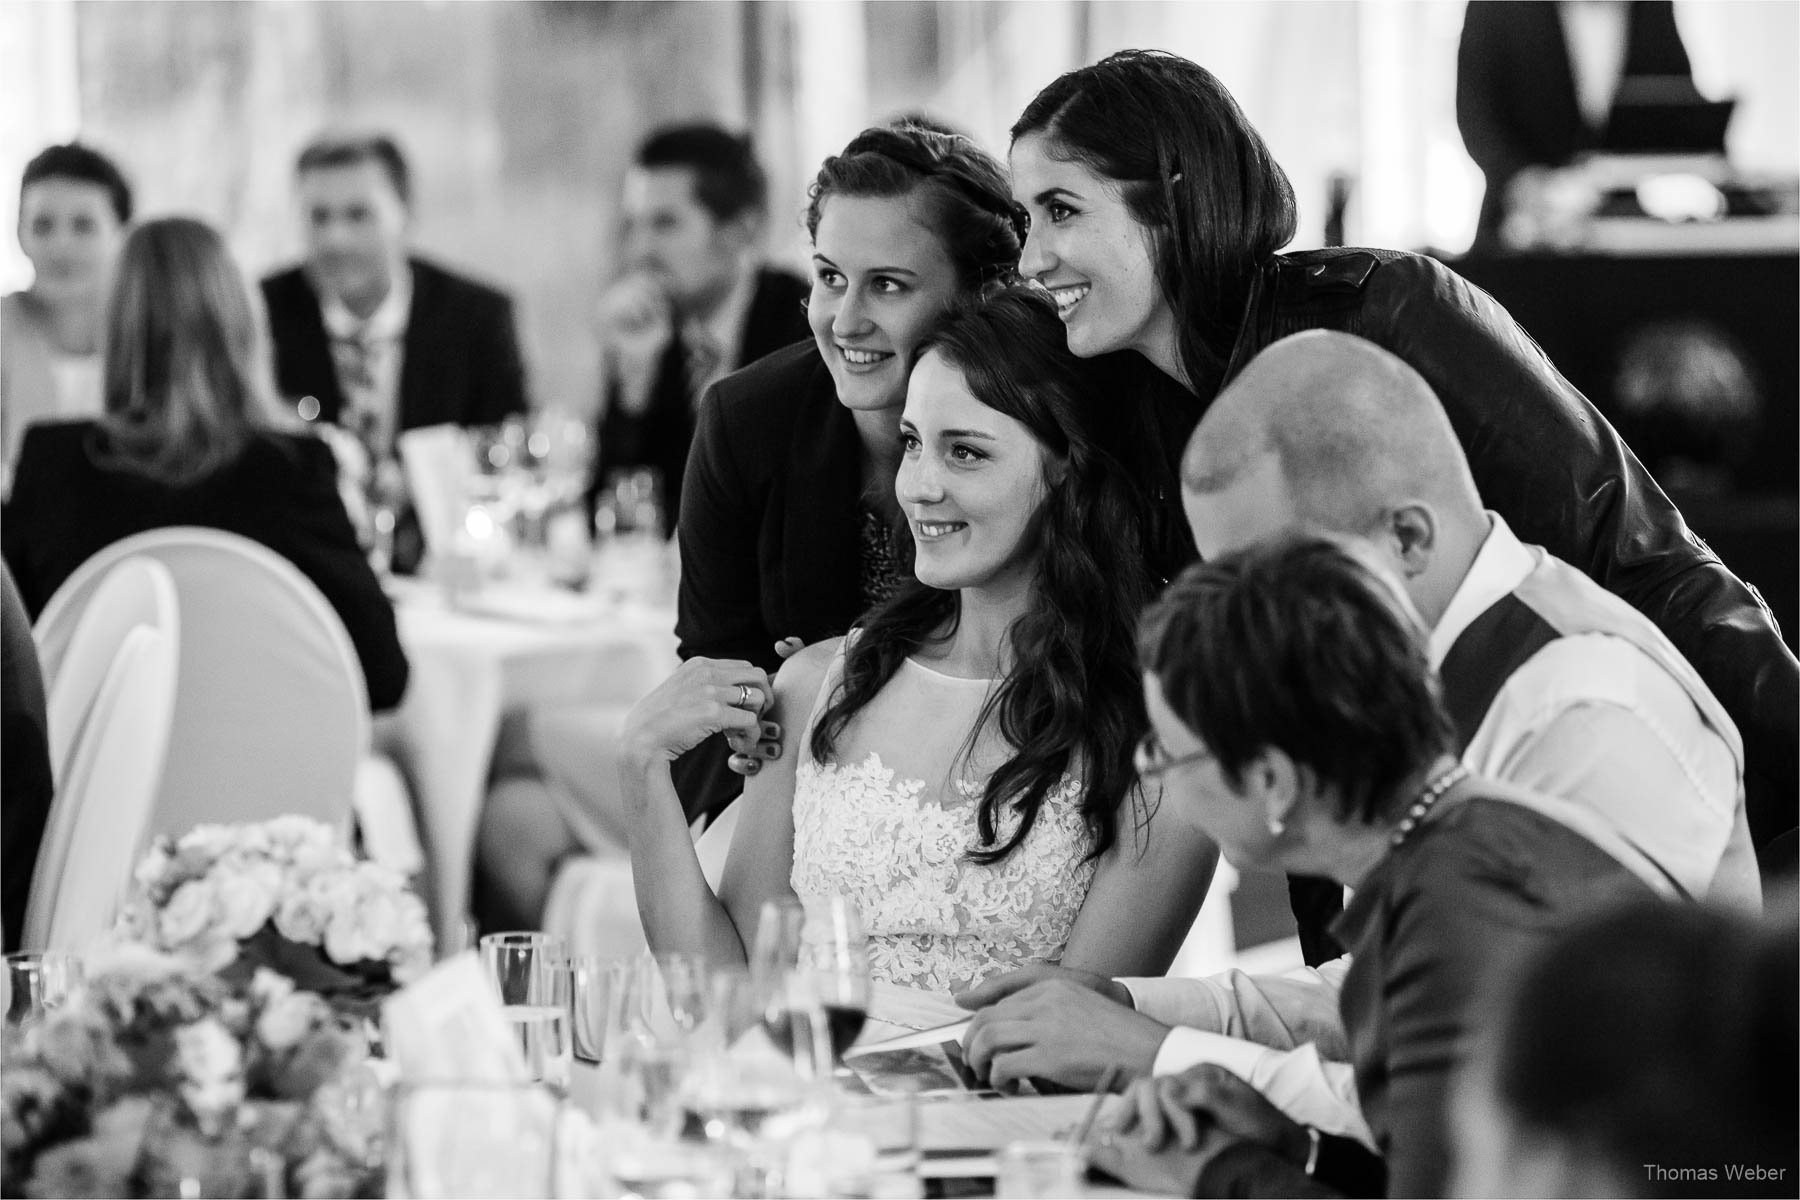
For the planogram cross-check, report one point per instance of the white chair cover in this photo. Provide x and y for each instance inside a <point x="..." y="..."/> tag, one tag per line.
<point x="272" y="715"/>
<point x="137" y="591"/>
<point x="592" y="902"/>
<point x="105" y="800"/>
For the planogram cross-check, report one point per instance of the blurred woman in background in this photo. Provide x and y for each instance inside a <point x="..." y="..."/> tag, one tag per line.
<point x="74" y="204"/>
<point x="189" y="437"/>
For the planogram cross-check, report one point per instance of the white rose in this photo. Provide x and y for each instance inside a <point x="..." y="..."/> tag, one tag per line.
<point x="187" y="914"/>
<point x="286" y="1019"/>
<point x="151" y="867"/>
<point x="344" y="940"/>
<point x="382" y="923"/>
<point x="212" y="1068"/>
<point x="267" y="986"/>
<point x="247" y="898"/>
<point x="301" y="917"/>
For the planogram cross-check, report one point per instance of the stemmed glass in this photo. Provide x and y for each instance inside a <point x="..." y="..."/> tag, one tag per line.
<point x="808" y="957"/>
<point x="37" y="983"/>
<point x="530" y="972"/>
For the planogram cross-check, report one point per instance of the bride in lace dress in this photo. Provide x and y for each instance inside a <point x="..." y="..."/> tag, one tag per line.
<point x="962" y="765"/>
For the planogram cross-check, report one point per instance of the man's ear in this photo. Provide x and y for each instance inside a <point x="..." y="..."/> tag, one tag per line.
<point x="1411" y="528"/>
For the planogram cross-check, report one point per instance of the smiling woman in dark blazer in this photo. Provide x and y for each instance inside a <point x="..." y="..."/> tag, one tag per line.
<point x="788" y="501"/>
<point x="188" y="438"/>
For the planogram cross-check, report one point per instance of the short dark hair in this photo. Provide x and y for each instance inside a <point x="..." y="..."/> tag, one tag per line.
<point x="1191" y="168"/>
<point x="1657" y="1033"/>
<point x="84" y="164"/>
<point x="348" y="149"/>
<point x="1302" y="646"/>
<point x="967" y="202"/>
<point x="728" y="180"/>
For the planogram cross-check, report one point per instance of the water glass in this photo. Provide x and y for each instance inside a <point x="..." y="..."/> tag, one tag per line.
<point x="37" y="983"/>
<point x="600" y="989"/>
<point x="1031" y="1170"/>
<point x="684" y="978"/>
<point x="531" y="976"/>
<point x="475" y="1139"/>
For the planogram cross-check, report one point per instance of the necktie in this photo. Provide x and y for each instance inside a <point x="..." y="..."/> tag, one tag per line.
<point x="703" y="362"/>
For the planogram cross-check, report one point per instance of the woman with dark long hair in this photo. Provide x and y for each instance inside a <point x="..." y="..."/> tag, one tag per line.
<point x="191" y="437"/>
<point x="964" y="771"/>
<point x="788" y="504"/>
<point x="1157" y="217"/>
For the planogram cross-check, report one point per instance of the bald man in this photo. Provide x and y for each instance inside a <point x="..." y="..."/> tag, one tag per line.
<point x="1555" y="685"/>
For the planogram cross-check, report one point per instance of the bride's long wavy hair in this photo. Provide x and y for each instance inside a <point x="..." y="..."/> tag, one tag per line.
<point x="1072" y="696"/>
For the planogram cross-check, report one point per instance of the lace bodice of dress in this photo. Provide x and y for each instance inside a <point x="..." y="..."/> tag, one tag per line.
<point x="889" y="824"/>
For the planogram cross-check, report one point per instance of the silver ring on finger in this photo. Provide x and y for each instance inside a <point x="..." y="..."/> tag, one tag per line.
<point x="745" y="696"/>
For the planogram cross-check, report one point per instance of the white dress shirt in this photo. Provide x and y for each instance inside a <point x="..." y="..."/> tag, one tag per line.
<point x="1595" y="718"/>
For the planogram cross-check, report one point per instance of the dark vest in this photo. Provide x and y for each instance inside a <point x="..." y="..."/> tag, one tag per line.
<point x="1552" y="602"/>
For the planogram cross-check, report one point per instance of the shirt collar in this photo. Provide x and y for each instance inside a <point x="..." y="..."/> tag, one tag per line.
<point x="1500" y="565"/>
<point x="387" y="322"/>
<point x="724" y="328"/>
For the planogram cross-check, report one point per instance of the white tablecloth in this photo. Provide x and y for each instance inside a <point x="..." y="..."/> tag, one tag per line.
<point x="469" y="670"/>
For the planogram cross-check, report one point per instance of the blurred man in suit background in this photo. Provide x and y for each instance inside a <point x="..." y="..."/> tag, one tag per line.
<point x="370" y="337"/>
<point x="694" y="302"/>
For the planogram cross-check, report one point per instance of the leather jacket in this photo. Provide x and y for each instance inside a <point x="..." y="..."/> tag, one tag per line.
<point x="1545" y="459"/>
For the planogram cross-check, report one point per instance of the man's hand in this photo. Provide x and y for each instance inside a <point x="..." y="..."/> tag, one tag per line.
<point x="636" y="323"/>
<point x="1061" y="1031"/>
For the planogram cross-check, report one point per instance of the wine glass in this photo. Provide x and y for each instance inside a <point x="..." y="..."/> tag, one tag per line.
<point x="812" y="962"/>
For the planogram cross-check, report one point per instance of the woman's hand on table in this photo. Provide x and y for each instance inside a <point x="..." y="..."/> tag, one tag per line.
<point x="750" y="750"/>
<point x="703" y="697"/>
<point x="1186" y="1110"/>
<point x="1168" y="1130"/>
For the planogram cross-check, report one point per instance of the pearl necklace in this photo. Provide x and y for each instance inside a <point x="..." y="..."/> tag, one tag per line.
<point x="1429" y="796"/>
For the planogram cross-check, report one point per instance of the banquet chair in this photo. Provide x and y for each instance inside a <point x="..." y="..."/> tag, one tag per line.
<point x="101" y="813"/>
<point x="137" y="591"/>
<point x="272" y="714"/>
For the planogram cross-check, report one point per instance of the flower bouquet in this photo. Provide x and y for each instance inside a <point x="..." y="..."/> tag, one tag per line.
<point x="159" y="1080"/>
<point x="284" y="895"/>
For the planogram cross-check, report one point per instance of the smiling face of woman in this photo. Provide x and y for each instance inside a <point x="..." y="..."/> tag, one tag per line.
<point x="971" y="481"/>
<point x="1087" y="248"/>
<point x="881" y="281"/>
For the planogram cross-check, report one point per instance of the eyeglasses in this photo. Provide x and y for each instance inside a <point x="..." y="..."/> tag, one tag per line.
<point x="1151" y="759"/>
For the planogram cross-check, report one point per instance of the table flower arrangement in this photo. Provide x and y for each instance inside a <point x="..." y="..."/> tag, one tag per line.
<point x="284" y="895"/>
<point x="158" y="1079"/>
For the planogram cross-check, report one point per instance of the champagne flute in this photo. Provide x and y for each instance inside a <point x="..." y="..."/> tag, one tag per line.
<point x="531" y="975"/>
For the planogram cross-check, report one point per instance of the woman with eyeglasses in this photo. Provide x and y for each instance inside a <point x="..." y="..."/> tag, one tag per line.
<point x="960" y="765"/>
<point x="1292" y="689"/>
